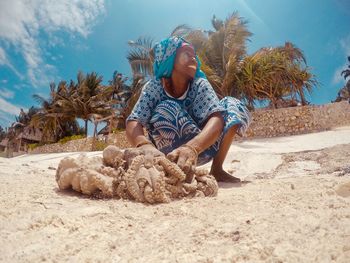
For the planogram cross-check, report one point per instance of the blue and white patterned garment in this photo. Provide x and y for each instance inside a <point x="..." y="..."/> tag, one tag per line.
<point x="171" y="122"/>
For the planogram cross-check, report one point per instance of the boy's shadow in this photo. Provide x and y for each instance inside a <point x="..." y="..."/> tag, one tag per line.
<point x="233" y="185"/>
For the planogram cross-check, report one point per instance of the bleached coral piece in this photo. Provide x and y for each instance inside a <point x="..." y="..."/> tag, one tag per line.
<point x="190" y="187"/>
<point x="65" y="164"/>
<point x="171" y="168"/>
<point x="130" y="154"/>
<point x="208" y="185"/>
<point x="131" y="179"/>
<point x="112" y="172"/>
<point x="149" y="194"/>
<point x="130" y="174"/>
<point x="85" y="181"/>
<point x="158" y="184"/>
<point x="113" y="156"/>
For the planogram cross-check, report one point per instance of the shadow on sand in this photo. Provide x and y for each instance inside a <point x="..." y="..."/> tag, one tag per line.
<point x="233" y="185"/>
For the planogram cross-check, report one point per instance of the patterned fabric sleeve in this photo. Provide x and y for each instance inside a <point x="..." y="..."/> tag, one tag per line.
<point x="148" y="100"/>
<point x="206" y="102"/>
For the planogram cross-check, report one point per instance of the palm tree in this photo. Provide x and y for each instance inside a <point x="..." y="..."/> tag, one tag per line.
<point x="90" y="100"/>
<point x="346" y="72"/>
<point x="292" y="52"/>
<point x="25" y="117"/>
<point x="299" y="73"/>
<point x="136" y="87"/>
<point x="23" y="120"/>
<point x="141" y="56"/>
<point x="222" y="50"/>
<point x="344" y="93"/>
<point x="259" y="78"/>
<point x="301" y="81"/>
<point x="274" y="74"/>
<point x="121" y="93"/>
<point x="120" y="90"/>
<point x="2" y="133"/>
<point x="52" y="117"/>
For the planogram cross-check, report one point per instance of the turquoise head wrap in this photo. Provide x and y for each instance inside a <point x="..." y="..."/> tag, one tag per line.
<point x="164" y="57"/>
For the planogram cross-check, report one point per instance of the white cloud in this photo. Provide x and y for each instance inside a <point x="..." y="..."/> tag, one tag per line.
<point x="4" y="61"/>
<point x="9" y="108"/>
<point x="5" y="120"/>
<point x="6" y="93"/>
<point x="345" y="46"/>
<point x="22" y="21"/>
<point x="337" y="78"/>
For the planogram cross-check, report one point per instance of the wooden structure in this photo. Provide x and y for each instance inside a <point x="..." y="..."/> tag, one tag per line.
<point x="18" y="138"/>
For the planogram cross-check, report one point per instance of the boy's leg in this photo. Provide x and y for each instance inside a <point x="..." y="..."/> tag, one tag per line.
<point x="216" y="168"/>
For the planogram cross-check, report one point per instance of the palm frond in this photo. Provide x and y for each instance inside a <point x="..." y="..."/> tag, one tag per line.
<point x="217" y="23"/>
<point x="236" y="37"/>
<point x="44" y="103"/>
<point x="144" y="43"/>
<point x="197" y="38"/>
<point x="346" y="73"/>
<point x="292" y="52"/>
<point x="140" y="62"/>
<point x="181" y="30"/>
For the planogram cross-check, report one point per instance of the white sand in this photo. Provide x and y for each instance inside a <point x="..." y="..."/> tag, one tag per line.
<point x="298" y="212"/>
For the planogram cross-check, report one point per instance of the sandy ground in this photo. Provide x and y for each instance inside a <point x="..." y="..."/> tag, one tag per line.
<point x="295" y="209"/>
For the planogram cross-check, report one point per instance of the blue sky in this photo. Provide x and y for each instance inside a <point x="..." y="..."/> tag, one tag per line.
<point x="44" y="41"/>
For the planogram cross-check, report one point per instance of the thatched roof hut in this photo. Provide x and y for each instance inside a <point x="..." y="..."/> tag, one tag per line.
<point x="3" y="144"/>
<point x="31" y="134"/>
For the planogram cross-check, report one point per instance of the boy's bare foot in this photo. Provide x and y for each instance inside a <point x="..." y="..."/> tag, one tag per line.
<point x="222" y="176"/>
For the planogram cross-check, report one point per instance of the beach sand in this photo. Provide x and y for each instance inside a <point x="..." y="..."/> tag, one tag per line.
<point x="296" y="208"/>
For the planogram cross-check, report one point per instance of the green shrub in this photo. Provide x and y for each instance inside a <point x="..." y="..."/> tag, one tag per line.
<point x="117" y="130"/>
<point x="71" y="138"/>
<point x="99" y="145"/>
<point x="32" y="146"/>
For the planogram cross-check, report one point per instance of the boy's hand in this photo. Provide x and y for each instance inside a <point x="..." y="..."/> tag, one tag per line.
<point x="185" y="157"/>
<point x="149" y="149"/>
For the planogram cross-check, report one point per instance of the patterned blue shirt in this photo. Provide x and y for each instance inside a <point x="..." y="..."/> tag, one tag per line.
<point x="200" y="102"/>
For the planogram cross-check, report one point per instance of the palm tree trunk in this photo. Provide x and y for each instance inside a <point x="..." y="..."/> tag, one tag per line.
<point x="86" y="127"/>
<point x="302" y="96"/>
<point x="95" y="129"/>
<point x="273" y="102"/>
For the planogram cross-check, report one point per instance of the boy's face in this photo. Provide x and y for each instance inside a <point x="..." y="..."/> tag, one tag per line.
<point x="185" y="60"/>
